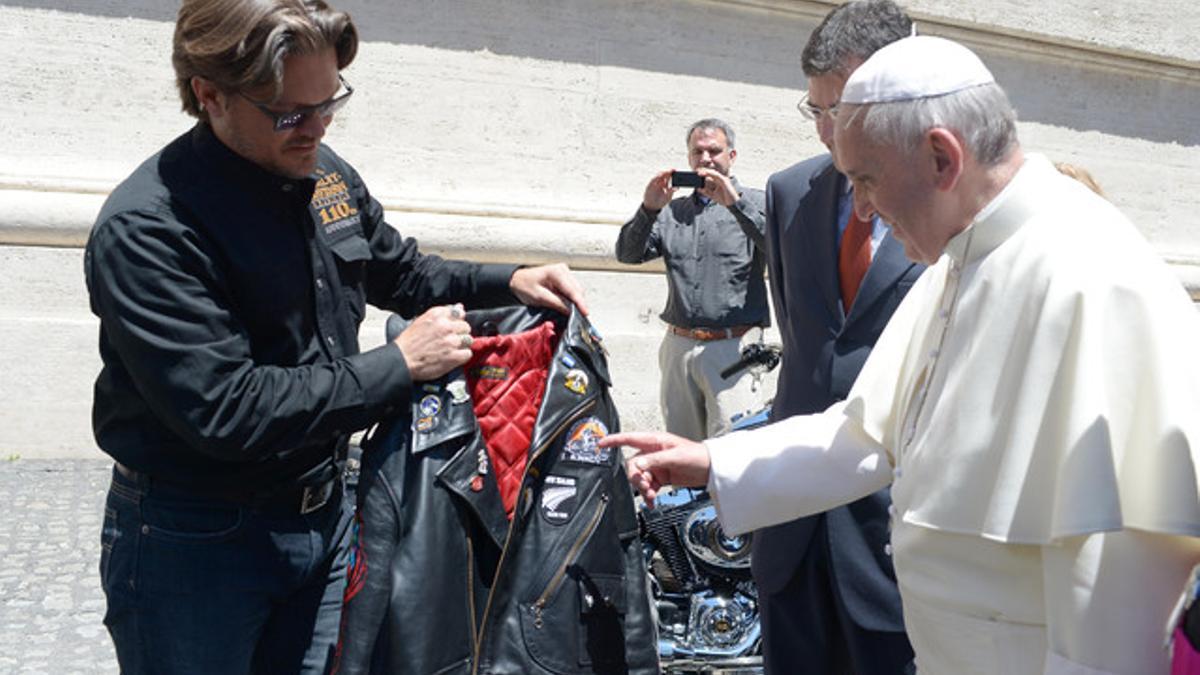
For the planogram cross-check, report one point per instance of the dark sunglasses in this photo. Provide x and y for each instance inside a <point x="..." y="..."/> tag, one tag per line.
<point x="292" y="118"/>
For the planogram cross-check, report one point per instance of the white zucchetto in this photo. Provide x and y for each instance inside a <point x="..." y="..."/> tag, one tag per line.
<point x="915" y="67"/>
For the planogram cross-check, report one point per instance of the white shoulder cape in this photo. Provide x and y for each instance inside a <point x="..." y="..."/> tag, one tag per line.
<point x="1064" y="396"/>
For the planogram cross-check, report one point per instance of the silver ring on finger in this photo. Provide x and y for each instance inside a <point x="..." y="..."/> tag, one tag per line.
<point x="465" y="340"/>
<point x="455" y="313"/>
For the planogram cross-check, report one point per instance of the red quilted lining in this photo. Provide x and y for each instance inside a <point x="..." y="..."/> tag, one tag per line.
<point x="507" y="379"/>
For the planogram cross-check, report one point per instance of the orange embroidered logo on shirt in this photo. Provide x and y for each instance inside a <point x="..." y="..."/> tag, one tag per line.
<point x="331" y="202"/>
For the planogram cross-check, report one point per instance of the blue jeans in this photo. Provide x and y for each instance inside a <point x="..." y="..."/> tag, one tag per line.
<point x="196" y="585"/>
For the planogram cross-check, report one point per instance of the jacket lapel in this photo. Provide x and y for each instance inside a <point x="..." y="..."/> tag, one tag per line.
<point x="818" y="213"/>
<point x="887" y="267"/>
<point x="453" y="419"/>
<point x="570" y="383"/>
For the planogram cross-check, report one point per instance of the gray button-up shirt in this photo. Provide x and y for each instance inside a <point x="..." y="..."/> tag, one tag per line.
<point x="714" y="258"/>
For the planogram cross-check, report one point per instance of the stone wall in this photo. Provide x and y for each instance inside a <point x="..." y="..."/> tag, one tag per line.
<point x="526" y="130"/>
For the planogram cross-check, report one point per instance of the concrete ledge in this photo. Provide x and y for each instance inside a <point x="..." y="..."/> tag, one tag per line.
<point x="484" y="233"/>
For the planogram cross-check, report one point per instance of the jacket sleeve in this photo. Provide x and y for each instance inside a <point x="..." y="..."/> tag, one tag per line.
<point x="166" y="311"/>
<point x="796" y="467"/>
<point x="639" y="240"/>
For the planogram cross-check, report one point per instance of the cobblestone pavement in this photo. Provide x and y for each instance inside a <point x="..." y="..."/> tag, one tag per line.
<point x="51" y="605"/>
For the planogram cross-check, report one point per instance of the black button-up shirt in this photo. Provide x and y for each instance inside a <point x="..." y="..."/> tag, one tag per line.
<point x="230" y="300"/>
<point x="713" y="255"/>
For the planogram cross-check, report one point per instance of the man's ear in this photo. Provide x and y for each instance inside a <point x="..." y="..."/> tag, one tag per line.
<point x="948" y="157"/>
<point x="209" y="95"/>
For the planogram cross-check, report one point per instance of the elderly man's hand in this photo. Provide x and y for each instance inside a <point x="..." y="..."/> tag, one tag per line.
<point x="718" y="187"/>
<point x="550" y="286"/>
<point x="662" y="459"/>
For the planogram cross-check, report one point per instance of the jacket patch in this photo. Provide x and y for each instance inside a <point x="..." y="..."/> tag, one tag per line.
<point x="458" y="392"/>
<point x="581" y="445"/>
<point x="430" y="405"/>
<point x="331" y="203"/>
<point x="591" y="338"/>
<point x="558" y="499"/>
<point x="491" y="373"/>
<point x="576" y="381"/>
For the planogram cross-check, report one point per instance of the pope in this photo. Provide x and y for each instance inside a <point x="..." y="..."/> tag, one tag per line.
<point x="1033" y="401"/>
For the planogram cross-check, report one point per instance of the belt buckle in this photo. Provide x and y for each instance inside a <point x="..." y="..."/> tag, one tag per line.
<point x="315" y="496"/>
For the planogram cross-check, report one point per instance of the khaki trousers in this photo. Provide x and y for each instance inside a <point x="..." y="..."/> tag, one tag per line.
<point x="696" y="402"/>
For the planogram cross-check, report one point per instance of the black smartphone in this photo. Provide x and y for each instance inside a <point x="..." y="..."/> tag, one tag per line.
<point x="686" y="179"/>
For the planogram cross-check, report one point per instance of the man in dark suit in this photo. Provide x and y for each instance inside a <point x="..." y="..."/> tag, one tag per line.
<point x="826" y="585"/>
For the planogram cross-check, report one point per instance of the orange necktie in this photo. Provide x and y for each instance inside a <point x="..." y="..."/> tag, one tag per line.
<point x="854" y="258"/>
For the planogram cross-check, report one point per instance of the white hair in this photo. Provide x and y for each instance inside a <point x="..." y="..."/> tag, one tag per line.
<point x="982" y="116"/>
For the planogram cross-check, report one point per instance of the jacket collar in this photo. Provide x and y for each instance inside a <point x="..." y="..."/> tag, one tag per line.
<point x="1005" y="214"/>
<point x="223" y="161"/>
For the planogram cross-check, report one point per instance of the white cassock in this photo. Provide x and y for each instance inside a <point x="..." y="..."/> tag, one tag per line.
<point x="1035" y="403"/>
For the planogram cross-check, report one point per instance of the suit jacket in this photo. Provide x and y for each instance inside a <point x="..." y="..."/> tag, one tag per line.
<point x="823" y="350"/>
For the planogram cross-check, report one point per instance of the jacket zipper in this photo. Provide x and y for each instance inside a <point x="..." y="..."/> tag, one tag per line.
<point x="471" y="587"/>
<point x="572" y="554"/>
<point x="487" y="608"/>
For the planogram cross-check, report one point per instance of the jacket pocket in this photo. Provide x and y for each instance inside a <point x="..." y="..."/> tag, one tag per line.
<point x="575" y="623"/>
<point x="352" y="254"/>
<point x="186" y="522"/>
<point x="602" y="606"/>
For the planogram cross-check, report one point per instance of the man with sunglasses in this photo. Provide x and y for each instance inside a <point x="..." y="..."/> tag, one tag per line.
<point x="230" y="273"/>
<point x="826" y="586"/>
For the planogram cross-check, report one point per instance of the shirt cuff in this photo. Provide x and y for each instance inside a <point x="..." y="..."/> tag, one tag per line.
<point x="493" y="282"/>
<point x="649" y="215"/>
<point x="386" y="383"/>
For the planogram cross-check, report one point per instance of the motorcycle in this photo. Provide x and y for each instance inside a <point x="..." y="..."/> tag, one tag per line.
<point x="707" y="604"/>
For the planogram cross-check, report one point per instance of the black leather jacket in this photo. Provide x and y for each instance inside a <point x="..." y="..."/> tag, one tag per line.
<point x="443" y="582"/>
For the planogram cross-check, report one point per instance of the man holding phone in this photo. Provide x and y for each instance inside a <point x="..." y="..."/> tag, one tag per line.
<point x="711" y="241"/>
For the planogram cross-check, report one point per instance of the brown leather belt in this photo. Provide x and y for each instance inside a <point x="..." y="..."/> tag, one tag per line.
<point x="706" y="334"/>
<point x="296" y="499"/>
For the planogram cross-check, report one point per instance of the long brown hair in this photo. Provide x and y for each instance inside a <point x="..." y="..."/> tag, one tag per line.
<point x="240" y="45"/>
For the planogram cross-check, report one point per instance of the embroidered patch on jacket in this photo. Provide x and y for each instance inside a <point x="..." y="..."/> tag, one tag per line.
<point x="491" y="373"/>
<point x="426" y="424"/>
<point x="558" y="499"/>
<point x="582" y="443"/>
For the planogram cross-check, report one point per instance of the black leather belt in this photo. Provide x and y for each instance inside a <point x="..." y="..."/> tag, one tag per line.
<point x="296" y="499"/>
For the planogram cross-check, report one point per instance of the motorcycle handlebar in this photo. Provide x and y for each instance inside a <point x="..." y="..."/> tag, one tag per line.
<point x="755" y="354"/>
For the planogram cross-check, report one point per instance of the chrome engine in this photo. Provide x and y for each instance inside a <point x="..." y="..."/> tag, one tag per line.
<point x="708" y="621"/>
<point x="700" y="580"/>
